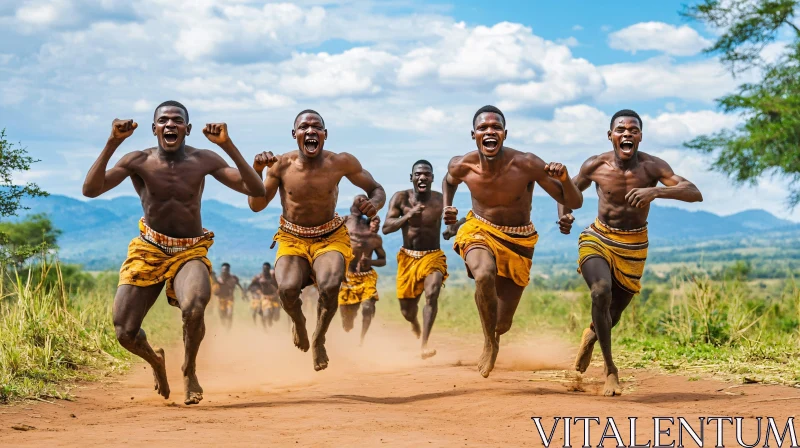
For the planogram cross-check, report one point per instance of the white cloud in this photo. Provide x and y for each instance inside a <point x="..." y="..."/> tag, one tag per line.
<point x="324" y="75"/>
<point x="41" y="13"/>
<point x="658" y="36"/>
<point x="577" y="28"/>
<point x="142" y="105"/>
<point x="676" y="128"/>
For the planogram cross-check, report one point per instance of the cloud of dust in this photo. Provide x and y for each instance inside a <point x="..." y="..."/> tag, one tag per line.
<point x="534" y="353"/>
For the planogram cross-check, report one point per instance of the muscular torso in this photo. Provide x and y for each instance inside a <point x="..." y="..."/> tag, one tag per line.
<point x="504" y="196"/>
<point x="171" y="191"/>
<point x="613" y="184"/>
<point x="421" y="232"/>
<point x="226" y="286"/>
<point x="265" y="284"/>
<point x="309" y="191"/>
<point x="362" y="240"/>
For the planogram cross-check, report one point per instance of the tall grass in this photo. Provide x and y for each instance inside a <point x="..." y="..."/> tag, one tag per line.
<point x="52" y="334"/>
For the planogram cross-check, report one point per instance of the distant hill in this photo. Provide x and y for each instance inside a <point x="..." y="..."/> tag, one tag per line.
<point x="96" y="232"/>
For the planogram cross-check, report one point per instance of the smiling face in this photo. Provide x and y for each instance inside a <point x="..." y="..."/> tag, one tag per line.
<point x="422" y="178"/>
<point x="625" y="136"/>
<point x="225" y="271"/>
<point x="171" y="127"/>
<point x="310" y="133"/>
<point x="489" y="134"/>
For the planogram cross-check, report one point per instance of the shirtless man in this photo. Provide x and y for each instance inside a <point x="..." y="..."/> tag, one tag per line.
<point x="497" y="238"/>
<point x="421" y="263"/>
<point x="223" y="287"/>
<point x="313" y="244"/>
<point x="265" y="301"/>
<point x="172" y="245"/>
<point x="612" y="251"/>
<point x="361" y="281"/>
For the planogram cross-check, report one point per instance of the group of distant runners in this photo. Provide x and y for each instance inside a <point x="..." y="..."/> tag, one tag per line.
<point x="337" y="254"/>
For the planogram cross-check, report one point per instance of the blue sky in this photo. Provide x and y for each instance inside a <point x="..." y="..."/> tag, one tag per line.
<point x="395" y="80"/>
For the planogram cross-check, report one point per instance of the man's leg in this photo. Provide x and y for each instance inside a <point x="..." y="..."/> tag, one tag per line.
<point x="131" y="304"/>
<point x="409" y="308"/>
<point x="193" y="291"/>
<point x="433" y="284"/>
<point x="329" y="272"/>
<point x="367" y="313"/>
<point x="484" y="270"/>
<point x="291" y="273"/>
<point x="349" y="313"/>
<point x="597" y="274"/>
<point x="508" y="295"/>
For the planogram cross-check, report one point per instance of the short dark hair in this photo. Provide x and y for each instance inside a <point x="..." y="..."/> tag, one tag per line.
<point x="266" y="263"/>
<point x="626" y="113"/>
<point x="226" y="264"/>
<point x="422" y="162"/>
<point x="491" y="109"/>
<point x="310" y="111"/>
<point x="173" y="104"/>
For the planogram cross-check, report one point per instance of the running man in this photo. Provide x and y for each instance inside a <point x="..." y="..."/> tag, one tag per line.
<point x="612" y="251"/>
<point x="223" y="288"/>
<point x="172" y="245"/>
<point x="497" y="238"/>
<point x="421" y="263"/>
<point x="265" y="301"/>
<point x="313" y="244"/>
<point x="361" y="281"/>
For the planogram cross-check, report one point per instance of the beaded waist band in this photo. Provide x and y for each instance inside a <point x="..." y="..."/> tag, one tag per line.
<point x="418" y="253"/>
<point x="166" y="243"/>
<point x="526" y="230"/>
<point x="608" y="228"/>
<point x="311" y="232"/>
<point x="360" y="274"/>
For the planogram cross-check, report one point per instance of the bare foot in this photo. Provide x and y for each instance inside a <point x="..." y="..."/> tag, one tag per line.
<point x="428" y="353"/>
<point x="320" y="356"/>
<point x="612" y="386"/>
<point x="584" y="356"/>
<point x="488" y="357"/>
<point x="194" y="393"/>
<point x="415" y="328"/>
<point x="160" y="374"/>
<point x="300" y="336"/>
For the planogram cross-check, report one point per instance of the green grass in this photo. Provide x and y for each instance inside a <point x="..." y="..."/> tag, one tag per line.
<point x="52" y="335"/>
<point x="736" y="330"/>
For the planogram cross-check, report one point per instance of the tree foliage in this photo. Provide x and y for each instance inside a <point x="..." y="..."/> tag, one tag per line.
<point x="33" y="234"/>
<point x="768" y="140"/>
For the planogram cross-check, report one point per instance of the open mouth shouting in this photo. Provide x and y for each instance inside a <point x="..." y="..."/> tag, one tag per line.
<point x="490" y="144"/>
<point x="626" y="146"/>
<point x="170" y="137"/>
<point x="311" y="145"/>
<point x="422" y="186"/>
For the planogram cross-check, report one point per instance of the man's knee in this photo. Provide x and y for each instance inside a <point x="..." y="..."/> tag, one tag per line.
<point x="193" y="310"/>
<point x="408" y="309"/>
<point x="601" y="293"/>
<point x="503" y="326"/>
<point x="126" y="335"/>
<point x="484" y="277"/>
<point x="368" y="308"/>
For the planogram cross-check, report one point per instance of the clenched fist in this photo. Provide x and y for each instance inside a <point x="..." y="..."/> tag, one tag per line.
<point x="122" y="129"/>
<point x="367" y="208"/>
<point x="264" y="160"/>
<point x="565" y="223"/>
<point x="557" y="171"/>
<point x="640" y="197"/>
<point x="217" y="133"/>
<point x="450" y="215"/>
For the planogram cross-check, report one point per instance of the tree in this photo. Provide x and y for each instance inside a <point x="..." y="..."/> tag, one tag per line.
<point x="14" y="158"/>
<point x="768" y="141"/>
<point x="23" y="239"/>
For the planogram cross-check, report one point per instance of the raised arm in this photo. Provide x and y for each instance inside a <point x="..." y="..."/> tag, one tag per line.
<point x="98" y="179"/>
<point x="395" y="219"/>
<point x="455" y="172"/>
<point x="271" y="183"/>
<point x="362" y="179"/>
<point x="554" y="179"/>
<point x="243" y="178"/>
<point x="675" y="187"/>
<point x="380" y="255"/>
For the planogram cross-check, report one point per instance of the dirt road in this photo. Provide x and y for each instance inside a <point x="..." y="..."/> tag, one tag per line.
<point x="260" y="390"/>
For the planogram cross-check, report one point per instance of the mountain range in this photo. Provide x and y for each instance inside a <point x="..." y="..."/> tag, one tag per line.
<point x="96" y="232"/>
